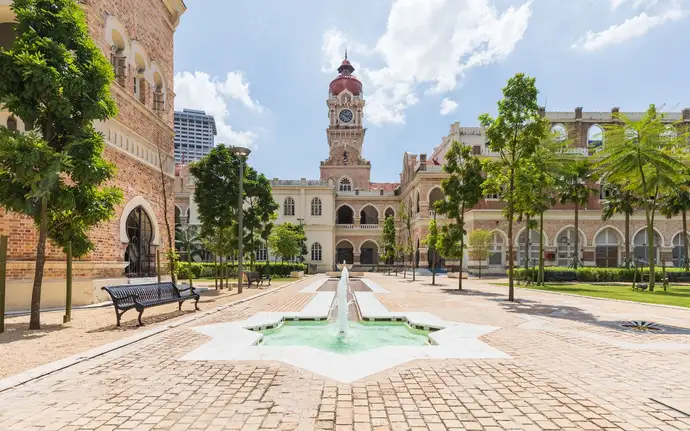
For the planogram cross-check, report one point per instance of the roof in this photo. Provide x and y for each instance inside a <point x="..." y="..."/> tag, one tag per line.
<point x="387" y="187"/>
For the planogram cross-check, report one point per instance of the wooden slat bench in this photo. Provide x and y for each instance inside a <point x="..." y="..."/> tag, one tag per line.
<point x="142" y="296"/>
<point x="256" y="278"/>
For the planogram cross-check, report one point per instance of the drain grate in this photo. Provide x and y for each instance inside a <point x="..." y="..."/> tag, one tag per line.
<point x="642" y="326"/>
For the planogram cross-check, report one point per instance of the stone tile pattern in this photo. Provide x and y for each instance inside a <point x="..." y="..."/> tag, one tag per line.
<point x="553" y="381"/>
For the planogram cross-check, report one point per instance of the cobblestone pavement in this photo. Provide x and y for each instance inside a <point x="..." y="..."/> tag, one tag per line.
<point x="572" y="367"/>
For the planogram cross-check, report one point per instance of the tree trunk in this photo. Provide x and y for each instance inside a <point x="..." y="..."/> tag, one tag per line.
<point x="540" y="275"/>
<point x="433" y="269"/>
<point x="171" y="240"/>
<point x="480" y="270"/>
<point x="511" y="285"/>
<point x="627" y="241"/>
<point x="528" y="231"/>
<point x="35" y="321"/>
<point x="576" y="258"/>
<point x="461" y="222"/>
<point x="685" y="240"/>
<point x="215" y="270"/>
<point x="189" y="263"/>
<point x="652" y="257"/>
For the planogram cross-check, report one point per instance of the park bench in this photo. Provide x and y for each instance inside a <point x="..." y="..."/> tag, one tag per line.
<point x="256" y="278"/>
<point x="142" y="296"/>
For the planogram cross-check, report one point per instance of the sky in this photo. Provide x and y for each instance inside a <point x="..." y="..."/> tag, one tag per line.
<point x="262" y="67"/>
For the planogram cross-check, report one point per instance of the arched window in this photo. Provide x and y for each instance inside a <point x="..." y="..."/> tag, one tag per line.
<point x="533" y="247"/>
<point x="316" y="207"/>
<point x="678" y="253"/>
<point x="435" y="196"/>
<point x="140" y="252"/>
<point x="595" y="138"/>
<point x="606" y="254"/>
<point x="641" y="250"/>
<point x="262" y="253"/>
<point x="565" y="244"/>
<point x="417" y="203"/>
<point x="12" y="124"/>
<point x="289" y="206"/>
<point x="496" y="250"/>
<point x="345" y="185"/>
<point x="389" y="212"/>
<point x="316" y="252"/>
<point x="559" y="132"/>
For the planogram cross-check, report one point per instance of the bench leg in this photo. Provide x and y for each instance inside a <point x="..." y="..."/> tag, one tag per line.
<point x="139" y="318"/>
<point x="119" y="317"/>
<point x="196" y="304"/>
<point x="179" y="306"/>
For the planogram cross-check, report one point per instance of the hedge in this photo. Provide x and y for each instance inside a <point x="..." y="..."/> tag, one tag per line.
<point x="594" y="274"/>
<point x="207" y="269"/>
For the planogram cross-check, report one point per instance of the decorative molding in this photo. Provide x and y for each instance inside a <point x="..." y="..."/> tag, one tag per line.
<point x="139" y="201"/>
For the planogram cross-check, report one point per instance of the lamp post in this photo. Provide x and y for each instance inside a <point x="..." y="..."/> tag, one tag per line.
<point x="241" y="152"/>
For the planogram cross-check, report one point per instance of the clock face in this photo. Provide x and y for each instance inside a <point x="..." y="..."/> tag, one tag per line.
<point x="346" y="116"/>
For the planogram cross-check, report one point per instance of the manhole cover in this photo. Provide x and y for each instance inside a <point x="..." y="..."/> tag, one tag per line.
<point x="642" y="326"/>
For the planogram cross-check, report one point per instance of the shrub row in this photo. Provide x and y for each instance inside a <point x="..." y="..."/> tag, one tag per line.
<point x="594" y="274"/>
<point x="207" y="269"/>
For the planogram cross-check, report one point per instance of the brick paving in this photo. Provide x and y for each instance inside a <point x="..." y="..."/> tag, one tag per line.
<point x="572" y="367"/>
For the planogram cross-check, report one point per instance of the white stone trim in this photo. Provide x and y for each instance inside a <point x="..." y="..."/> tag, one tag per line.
<point x="139" y="201"/>
<point x="564" y="228"/>
<point x="662" y="241"/>
<point x="114" y="24"/>
<point x="621" y="235"/>
<point x="378" y="248"/>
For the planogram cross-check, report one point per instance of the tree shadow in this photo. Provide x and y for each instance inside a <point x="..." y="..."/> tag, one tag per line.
<point x="132" y="324"/>
<point x="20" y="332"/>
<point x="470" y="292"/>
<point x="576" y="314"/>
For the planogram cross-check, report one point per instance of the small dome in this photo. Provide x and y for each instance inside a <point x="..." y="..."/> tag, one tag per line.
<point x="345" y="80"/>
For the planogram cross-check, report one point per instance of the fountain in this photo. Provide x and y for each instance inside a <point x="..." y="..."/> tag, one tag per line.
<point x="339" y="334"/>
<point x="341" y="300"/>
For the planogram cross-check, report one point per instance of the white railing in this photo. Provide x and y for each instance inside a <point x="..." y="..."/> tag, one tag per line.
<point x="584" y="152"/>
<point x="364" y="193"/>
<point x="488" y="153"/>
<point x="369" y="226"/>
<point x="304" y="182"/>
<point x="344" y="226"/>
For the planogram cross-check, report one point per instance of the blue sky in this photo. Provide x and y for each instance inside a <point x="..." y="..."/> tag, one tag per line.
<point x="262" y="67"/>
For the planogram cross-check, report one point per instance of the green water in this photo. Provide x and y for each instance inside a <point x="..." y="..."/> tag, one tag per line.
<point x="360" y="336"/>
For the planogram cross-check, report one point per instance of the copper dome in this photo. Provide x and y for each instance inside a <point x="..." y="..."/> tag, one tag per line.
<point x="345" y="80"/>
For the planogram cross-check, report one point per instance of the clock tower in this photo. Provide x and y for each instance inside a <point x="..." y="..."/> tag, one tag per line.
<point x="345" y="165"/>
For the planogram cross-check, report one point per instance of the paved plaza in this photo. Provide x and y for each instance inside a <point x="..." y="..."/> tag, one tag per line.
<point x="569" y="365"/>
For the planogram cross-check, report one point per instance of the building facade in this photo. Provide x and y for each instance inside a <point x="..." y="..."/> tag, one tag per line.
<point x="344" y="211"/>
<point x="137" y="37"/>
<point x="194" y="135"/>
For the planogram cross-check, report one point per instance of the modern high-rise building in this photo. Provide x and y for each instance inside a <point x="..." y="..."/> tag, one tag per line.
<point x="194" y="132"/>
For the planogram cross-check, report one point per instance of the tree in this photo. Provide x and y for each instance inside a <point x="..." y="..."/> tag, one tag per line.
<point x="432" y="241"/>
<point x="164" y="159"/>
<point x="573" y="189"/>
<point x="462" y="190"/>
<point x="514" y="134"/>
<point x="389" y="238"/>
<point x="284" y="241"/>
<point x="408" y="245"/>
<point x="677" y="201"/>
<point x="620" y="202"/>
<point x="260" y="211"/>
<point x="480" y="245"/>
<point x="57" y="81"/>
<point x="187" y="239"/>
<point x="644" y="157"/>
<point x="301" y="237"/>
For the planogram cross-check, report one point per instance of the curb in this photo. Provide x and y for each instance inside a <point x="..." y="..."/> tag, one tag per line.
<point x="61" y="364"/>
<point x="673" y="307"/>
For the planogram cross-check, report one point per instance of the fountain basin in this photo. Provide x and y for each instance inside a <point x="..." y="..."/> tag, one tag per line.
<point x="360" y="336"/>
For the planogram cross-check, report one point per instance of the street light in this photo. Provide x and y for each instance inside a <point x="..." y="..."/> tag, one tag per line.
<point x="242" y="152"/>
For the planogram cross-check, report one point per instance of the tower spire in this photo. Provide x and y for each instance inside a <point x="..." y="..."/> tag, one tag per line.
<point x="345" y="53"/>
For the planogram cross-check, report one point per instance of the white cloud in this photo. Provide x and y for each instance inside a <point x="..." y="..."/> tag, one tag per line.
<point x="448" y="106"/>
<point x="430" y="44"/>
<point x="636" y="4"/>
<point x="629" y="29"/>
<point x="199" y="91"/>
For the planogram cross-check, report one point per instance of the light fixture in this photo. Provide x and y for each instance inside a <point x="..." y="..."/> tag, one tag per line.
<point x="240" y="151"/>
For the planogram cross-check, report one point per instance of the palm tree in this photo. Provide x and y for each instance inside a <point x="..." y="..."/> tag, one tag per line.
<point x="573" y="189"/>
<point x="674" y="203"/>
<point x="620" y="202"/>
<point x="187" y="239"/>
<point x="644" y="157"/>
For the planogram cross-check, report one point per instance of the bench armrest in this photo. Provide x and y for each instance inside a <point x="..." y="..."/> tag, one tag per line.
<point x="185" y="289"/>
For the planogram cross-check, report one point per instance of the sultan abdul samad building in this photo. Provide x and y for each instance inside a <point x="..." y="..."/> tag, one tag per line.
<point x="343" y="211"/>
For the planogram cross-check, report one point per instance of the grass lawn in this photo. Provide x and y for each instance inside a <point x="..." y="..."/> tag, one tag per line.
<point x="678" y="295"/>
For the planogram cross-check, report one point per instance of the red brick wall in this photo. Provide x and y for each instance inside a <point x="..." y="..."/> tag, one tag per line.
<point x="147" y="22"/>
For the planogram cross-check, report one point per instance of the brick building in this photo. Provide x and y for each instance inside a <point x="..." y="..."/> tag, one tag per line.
<point x="137" y="36"/>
